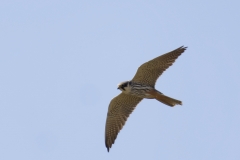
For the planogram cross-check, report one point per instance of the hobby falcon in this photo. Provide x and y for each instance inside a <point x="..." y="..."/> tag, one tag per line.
<point x="141" y="86"/>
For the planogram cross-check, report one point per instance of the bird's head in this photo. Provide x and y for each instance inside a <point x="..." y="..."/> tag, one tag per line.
<point x="122" y="86"/>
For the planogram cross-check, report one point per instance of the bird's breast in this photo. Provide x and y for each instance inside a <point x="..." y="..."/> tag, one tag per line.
<point x="139" y="90"/>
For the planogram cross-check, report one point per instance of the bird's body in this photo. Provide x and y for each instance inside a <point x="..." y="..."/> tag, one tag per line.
<point x="146" y="91"/>
<point x="141" y="86"/>
<point x="136" y="89"/>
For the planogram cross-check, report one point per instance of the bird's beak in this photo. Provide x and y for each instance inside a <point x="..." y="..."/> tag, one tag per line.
<point x="118" y="88"/>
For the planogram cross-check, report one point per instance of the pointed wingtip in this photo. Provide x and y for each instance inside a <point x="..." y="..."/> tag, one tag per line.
<point x="183" y="47"/>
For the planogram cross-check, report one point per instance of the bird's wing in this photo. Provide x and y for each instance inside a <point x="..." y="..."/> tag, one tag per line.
<point x="149" y="72"/>
<point x="118" y="111"/>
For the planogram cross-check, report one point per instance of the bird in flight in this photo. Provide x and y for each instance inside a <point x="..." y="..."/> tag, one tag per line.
<point x="141" y="86"/>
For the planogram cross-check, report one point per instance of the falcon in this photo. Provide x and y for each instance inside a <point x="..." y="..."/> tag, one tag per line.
<point x="141" y="86"/>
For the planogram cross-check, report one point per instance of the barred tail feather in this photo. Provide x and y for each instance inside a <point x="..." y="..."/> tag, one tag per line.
<point x="167" y="100"/>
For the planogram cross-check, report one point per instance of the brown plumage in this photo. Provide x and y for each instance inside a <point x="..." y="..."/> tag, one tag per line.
<point x="141" y="86"/>
<point x="164" y="99"/>
<point x="119" y="110"/>
<point x="149" y="72"/>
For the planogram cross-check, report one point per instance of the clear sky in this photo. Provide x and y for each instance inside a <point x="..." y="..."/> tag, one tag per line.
<point x="61" y="61"/>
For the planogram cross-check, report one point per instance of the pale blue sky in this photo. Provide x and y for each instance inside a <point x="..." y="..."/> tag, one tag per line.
<point x="61" y="61"/>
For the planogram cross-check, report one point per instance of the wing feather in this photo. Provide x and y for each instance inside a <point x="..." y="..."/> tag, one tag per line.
<point x="118" y="111"/>
<point x="149" y="72"/>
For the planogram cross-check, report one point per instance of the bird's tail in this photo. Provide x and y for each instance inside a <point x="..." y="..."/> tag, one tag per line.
<point x="167" y="100"/>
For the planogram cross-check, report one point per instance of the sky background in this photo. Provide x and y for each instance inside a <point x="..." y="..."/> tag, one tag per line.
<point x="61" y="61"/>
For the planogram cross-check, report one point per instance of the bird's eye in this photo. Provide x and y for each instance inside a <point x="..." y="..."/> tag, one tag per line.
<point x="125" y="85"/>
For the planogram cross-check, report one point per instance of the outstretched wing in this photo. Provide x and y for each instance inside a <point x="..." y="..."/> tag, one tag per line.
<point x="149" y="72"/>
<point x="118" y="111"/>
